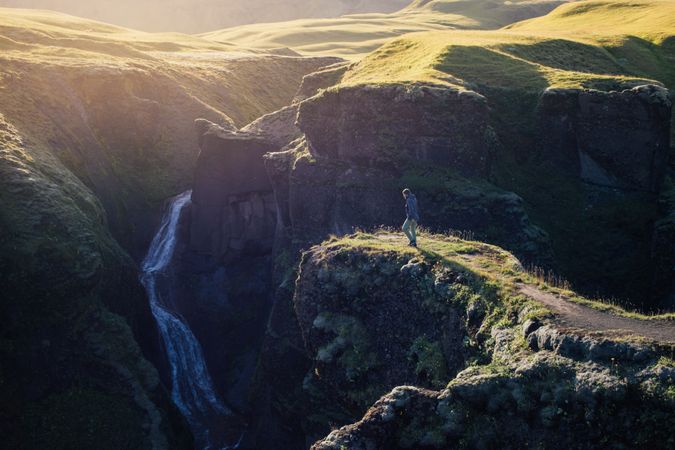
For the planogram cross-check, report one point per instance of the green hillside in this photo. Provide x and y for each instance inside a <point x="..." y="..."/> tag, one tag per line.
<point x="583" y="44"/>
<point x="354" y="36"/>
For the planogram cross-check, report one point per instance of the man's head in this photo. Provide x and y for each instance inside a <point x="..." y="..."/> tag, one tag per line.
<point x="406" y="192"/>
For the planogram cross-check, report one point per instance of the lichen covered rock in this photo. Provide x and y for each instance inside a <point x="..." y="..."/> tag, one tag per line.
<point x="526" y="382"/>
<point x="388" y="124"/>
<point x="372" y="322"/>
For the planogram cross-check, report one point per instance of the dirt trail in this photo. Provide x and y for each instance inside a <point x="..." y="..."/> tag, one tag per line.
<point x="574" y="315"/>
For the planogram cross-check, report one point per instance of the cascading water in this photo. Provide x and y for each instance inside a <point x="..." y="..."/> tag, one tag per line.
<point x="192" y="389"/>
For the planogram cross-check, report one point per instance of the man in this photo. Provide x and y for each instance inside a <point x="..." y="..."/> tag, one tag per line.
<point x="412" y="217"/>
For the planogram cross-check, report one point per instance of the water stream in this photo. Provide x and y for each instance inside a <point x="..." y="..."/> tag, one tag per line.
<point x="192" y="389"/>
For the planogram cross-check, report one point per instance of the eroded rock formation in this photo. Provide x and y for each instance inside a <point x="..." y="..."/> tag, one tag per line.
<point x="538" y="385"/>
<point x="355" y="326"/>
<point x="613" y="139"/>
<point x="363" y="144"/>
<point x="383" y="125"/>
<point x="364" y="338"/>
<point x="233" y="210"/>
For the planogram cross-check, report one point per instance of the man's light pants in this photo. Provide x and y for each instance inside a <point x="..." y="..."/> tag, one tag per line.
<point x="410" y="229"/>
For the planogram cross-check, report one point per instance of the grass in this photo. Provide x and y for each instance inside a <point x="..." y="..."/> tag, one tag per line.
<point x="578" y="45"/>
<point x="116" y="107"/>
<point x="354" y="36"/>
<point x="498" y="59"/>
<point x="490" y="263"/>
<point x="653" y="20"/>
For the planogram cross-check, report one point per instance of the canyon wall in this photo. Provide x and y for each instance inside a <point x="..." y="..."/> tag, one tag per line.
<point x="336" y="161"/>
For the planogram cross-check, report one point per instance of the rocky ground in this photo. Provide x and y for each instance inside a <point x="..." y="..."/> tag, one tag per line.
<point x="517" y="378"/>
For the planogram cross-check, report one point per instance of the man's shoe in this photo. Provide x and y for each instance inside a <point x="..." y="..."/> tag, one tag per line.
<point x="413" y="244"/>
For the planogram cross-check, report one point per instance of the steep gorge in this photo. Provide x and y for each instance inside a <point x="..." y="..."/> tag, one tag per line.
<point x="351" y="148"/>
<point x="300" y="332"/>
<point x="96" y="131"/>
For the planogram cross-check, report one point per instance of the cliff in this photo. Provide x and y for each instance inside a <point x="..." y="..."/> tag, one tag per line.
<point x="73" y="372"/>
<point x="363" y="144"/>
<point x="468" y="357"/>
<point x="554" y="145"/>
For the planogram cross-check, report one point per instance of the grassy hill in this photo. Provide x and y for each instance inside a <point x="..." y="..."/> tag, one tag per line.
<point x="353" y="36"/>
<point x="465" y="59"/>
<point x="583" y="44"/>
<point x="116" y="106"/>
<point x="653" y="20"/>
<point x="198" y="16"/>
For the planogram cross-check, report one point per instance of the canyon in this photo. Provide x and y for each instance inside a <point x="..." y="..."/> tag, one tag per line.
<point x="199" y="242"/>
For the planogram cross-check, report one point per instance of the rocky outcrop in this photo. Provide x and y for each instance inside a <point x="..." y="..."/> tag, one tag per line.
<point x="372" y="322"/>
<point x="380" y="125"/>
<point x="233" y="210"/>
<point x="531" y="384"/>
<point x="613" y="139"/>
<point x="546" y="401"/>
<point x="363" y="144"/>
<point x="321" y="79"/>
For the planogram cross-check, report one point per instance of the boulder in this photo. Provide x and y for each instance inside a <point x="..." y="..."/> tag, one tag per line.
<point x="321" y="79"/>
<point x="277" y="128"/>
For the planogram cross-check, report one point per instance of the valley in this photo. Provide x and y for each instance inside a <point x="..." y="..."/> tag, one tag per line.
<point x="199" y="242"/>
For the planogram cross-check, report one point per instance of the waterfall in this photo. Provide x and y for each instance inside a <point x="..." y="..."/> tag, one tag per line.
<point x="192" y="388"/>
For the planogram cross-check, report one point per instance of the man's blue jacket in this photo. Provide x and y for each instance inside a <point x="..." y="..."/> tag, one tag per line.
<point x="411" y="209"/>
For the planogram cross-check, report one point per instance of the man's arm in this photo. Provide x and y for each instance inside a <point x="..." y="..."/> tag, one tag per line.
<point x="413" y="212"/>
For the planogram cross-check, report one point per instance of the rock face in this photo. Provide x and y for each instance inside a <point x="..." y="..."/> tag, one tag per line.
<point x="369" y="324"/>
<point x="363" y="144"/>
<point x="542" y="402"/>
<point x="613" y="139"/>
<point x="554" y="389"/>
<point x="77" y="329"/>
<point x="381" y="125"/>
<point x="321" y="79"/>
<point x="233" y="210"/>
<point x="663" y="248"/>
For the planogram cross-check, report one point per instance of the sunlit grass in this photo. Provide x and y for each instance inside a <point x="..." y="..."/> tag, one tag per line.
<point x="354" y="36"/>
<point x="464" y="59"/>
<point x="486" y="261"/>
<point x="653" y="20"/>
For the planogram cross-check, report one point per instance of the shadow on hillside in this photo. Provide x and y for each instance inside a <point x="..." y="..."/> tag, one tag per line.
<point x="480" y="65"/>
<point x="564" y="54"/>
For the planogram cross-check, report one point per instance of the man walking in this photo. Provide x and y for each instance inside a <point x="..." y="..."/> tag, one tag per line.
<point x="412" y="217"/>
